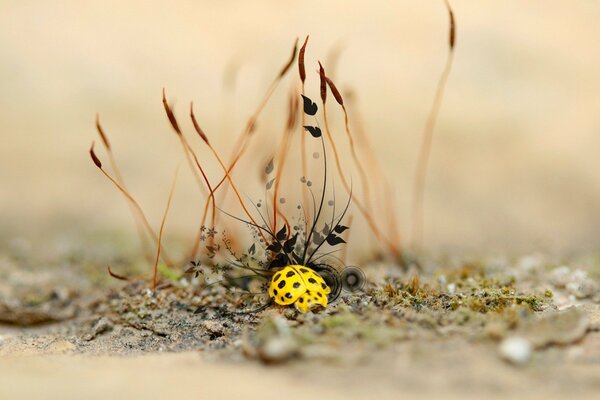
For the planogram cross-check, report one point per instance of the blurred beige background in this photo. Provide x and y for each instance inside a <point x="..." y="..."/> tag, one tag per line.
<point x="515" y="161"/>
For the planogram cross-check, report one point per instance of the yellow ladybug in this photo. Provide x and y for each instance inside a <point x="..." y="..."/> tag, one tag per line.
<point x="299" y="285"/>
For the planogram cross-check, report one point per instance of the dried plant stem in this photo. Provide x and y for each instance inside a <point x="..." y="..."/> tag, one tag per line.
<point x="139" y="225"/>
<point x="387" y="194"/>
<point x="137" y="207"/>
<point x="189" y="154"/>
<point x="193" y="164"/>
<point x="237" y="193"/>
<point x="392" y="247"/>
<point x="210" y="200"/>
<point x="361" y="170"/>
<point x="189" y="149"/>
<point x="227" y="175"/>
<point x="160" y="232"/>
<point x="242" y="142"/>
<point x="427" y="138"/>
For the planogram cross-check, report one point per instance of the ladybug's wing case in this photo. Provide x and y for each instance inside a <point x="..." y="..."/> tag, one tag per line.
<point x="287" y="286"/>
<point x="310" y="300"/>
<point x="314" y="282"/>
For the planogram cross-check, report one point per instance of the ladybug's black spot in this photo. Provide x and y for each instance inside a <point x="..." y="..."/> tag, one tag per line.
<point x="324" y="286"/>
<point x="319" y="294"/>
<point x="290" y="274"/>
<point x="281" y="284"/>
<point x="282" y="298"/>
<point x="275" y="292"/>
<point x="304" y="270"/>
<point x="288" y="295"/>
<point x="276" y="277"/>
<point x="300" y="300"/>
<point x="312" y="280"/>
<point x="296" y="285"/>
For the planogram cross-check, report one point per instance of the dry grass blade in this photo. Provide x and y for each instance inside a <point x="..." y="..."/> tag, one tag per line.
<point x="427" y="138"/>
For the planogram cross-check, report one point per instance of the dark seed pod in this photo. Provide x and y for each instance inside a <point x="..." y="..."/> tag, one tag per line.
<point x="95" y="159"/>
<point x="335" y="91"/>
<point x="323" y="83"/>
<point x="301" y="68"/>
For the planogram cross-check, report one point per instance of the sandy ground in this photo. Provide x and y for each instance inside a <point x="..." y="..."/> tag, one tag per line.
<point x="450" y="370"/>
<point x="71" y="333"/>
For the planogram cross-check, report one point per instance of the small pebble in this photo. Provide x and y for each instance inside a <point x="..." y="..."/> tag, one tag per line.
<point x="278" y="349"/>
<point x="515" y="350"/>
<point x="451" y="288"/>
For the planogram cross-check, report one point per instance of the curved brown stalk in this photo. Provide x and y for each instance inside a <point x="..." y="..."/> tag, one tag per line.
<point x="242" y="142"/>
<point x="427" y="138"/>
<point x="392" y="247"/>
<point x="383" y="197"/>
<point x="160" y="232"/>
<point x="190" y="154"/>
<point x="227" y="175"/>
<point x="361" y="170"/>
<point x="132" y="201"/>
<point x="119" y="178"/>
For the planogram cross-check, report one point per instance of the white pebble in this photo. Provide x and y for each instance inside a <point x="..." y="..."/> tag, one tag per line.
<point x="278" y="349"/>
<point x="451" y="288"/>
<point x="515" y="350"/>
